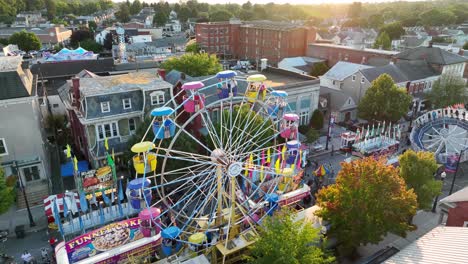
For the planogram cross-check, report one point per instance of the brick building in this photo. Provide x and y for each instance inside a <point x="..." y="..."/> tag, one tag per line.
<point x="454" y="209"/>
<point x="254" y="40"/>
<point x="335" y="53"/>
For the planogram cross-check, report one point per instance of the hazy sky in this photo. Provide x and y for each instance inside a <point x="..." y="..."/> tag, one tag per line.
<point x="274" y="1"/>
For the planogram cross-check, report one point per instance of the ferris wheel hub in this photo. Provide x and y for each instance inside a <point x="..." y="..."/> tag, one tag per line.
<point x="219" y="156"/>
<point x="234" y="169"/>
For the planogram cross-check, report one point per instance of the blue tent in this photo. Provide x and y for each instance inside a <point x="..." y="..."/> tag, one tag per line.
<point x="66" y="170"/>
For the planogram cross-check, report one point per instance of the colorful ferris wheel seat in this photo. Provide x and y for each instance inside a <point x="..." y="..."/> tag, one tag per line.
<point x="150" y="221"/>
<point x="227" y="86"/>
<point x="256" y="89"/>
<point x="276" y="102"/>
<point x="171" y="243"/>
<point x="197" y="240"/>
<point x="144" y="161"/>
<point x="272" y="199"/>
<point x="289" y="126"/>
<point x="163" y="126"/>
<point x="196" y="101"/>
<point x="137" y="193"/>
<point x="293" y="150"/>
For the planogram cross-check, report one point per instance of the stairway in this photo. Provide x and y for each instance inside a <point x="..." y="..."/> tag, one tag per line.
<point x="35" y="195"/>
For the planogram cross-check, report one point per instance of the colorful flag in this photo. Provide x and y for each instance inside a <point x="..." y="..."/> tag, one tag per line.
<point x="105" y="197"/>
<point x="75" y="164"/>
<point x="101" y="214"/>
<point x="65" y="206"/>
<point x="68" y="151"/>
<point x="81" y="222"/>
<point x="93" y="199"/>
<point x="106" y="144"/>
<point x="58" y="222"/>
<point x="83" y="202"/>
<point x="268" y="155"/>
<point x="121" y="195"/>
<point x="278" y="166"/>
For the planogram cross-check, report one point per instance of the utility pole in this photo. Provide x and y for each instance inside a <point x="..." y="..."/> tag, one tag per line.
<point x="328" y="130"/>
<point x="23" y="189"/>
<point x="456" y="170"/>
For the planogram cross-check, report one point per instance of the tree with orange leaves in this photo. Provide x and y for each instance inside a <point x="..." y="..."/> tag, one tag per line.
<point x="368" y="200"/>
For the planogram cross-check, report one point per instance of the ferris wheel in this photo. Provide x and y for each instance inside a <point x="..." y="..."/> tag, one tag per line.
<point x="244" y="166"/>
<point x="443" y="132"/>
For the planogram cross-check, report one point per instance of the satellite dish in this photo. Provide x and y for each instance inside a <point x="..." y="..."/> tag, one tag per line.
<point x="120" y="31"/>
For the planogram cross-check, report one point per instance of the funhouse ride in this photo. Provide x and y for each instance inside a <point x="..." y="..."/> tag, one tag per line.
<point x="209" y="199"/>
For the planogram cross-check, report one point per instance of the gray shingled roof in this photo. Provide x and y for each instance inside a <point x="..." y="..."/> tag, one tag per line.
<point x="432" y="55"/>
<point x="11" y="86"/>
<point x="70" y="68"/>
<point x="343" y="69"/>
<point x="401" y="72"/>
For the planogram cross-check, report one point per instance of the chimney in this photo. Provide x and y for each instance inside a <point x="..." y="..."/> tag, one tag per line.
<point x="76" y="91"/>
<point x="430" y="44"/>
<point x="162" y="74"/>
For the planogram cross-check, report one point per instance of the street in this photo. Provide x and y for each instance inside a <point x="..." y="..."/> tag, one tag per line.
<point x="33" y="242"/>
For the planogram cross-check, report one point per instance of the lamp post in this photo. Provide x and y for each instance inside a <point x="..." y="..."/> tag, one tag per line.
<point x="442" y="178"/>
<point x="456" y="170"/>
<point x="23" y="189"/>
<point x="330" y="120"/>
<point x="413" y="115"/>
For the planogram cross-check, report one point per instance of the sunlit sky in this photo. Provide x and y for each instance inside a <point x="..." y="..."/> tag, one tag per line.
<point x="276" y="1"/>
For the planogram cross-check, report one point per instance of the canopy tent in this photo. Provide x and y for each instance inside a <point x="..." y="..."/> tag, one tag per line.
<point x="66" y="170"/>
<point x="70" y="55"/>
<point x="72" y="199"/>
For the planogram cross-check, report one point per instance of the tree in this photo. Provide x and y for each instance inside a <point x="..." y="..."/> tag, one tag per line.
<point x="384" y="100"/>
<point x="108" y="41"/>
<point x="394" y="30"/>
<point x="80" y="35"/>
<point x="220" y="15"/>
<point x="51" y="9"/>
<point x="368" y="201"/>
<point x="59" y="21"/>
<point x="26" y="41"/>
<point x="383" y="41"/>
<point x="7" y="194"/>
<point x="184" y="14"/>
<point x="285" y="241"/>
<point x="136" y="7"/>
<point x="123" y="15"/>
<point x="247" y="6"/>
<point x="91" y="45"/>
<point x="316" y="120"/>
<point x="319" y="69"/>
<point x="92" y="26"/>
<point x="34" y="5"/>
<point x="437" y="17"/>
<point x="312" y="135"/>
<point x="418" y="170"/>
<point x="246" y="14"/>
<point x="465" y="46"/>
<point x="192" y="47"/>
<point x="355" y="10"/>
<point x="160" y="19"/>
<point x="448" y="90"/>
<point x="194" y="64"/>
<point x="375" y="21"/>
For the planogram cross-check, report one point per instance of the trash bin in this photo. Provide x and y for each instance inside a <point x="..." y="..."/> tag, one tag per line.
<point x="19" y="231"/>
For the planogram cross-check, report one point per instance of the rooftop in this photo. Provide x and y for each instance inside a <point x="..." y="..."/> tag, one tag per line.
<point x="273" y="25"/>
<point x="70" y="68"/>
<point x="432" y="55"/>
<point x="121" y="83"/>
<point x="401" y="72"/>
<point x="284" y="79"/>
<point x="460" y="196"/>
<point x="378" y="51"/>
<point x="10" y="63"/>
<point x="448" y="245"/>
<point x="343" y="69"/>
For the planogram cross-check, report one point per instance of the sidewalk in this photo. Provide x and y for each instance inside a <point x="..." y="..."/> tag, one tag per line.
<point x="14" y="217"/>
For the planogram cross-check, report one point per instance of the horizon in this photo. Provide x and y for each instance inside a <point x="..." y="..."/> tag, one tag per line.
<point x="293" y="2"/>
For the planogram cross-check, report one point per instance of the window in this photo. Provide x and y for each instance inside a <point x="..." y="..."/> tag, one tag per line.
<point x="354" y="78"/>
<point x="3" y="147"/>
<point x="157" y="98"/>
<point x="304" y="118"/>
<point x="105" y="107"/>
<point x="107" y="130"/>
<point x="334" y="82"/>
<point x="362" y="79"/>
<point x="131" y="125"/>
<point x="127" y="103"/>
<point x="55" y="105"/>
<point x="31" y="173"/>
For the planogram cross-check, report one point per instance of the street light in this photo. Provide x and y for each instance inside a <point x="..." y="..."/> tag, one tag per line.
<point x="442" y="178"/>
<point x="23" y="189"/>
<point x="413" y="114"/>
<point x="456" y="170"/>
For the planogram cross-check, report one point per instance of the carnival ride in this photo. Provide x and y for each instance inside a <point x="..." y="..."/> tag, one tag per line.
<point x="247" y="165"/>
<point x="443" y="132"/>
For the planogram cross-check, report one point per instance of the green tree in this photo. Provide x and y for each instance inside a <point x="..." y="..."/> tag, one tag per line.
<point x="418" y="170"/>
<point x="220" y="15"/>
<point x="437" y="17"/>
<point x="34" y="5"/>
<point x="80" y="35"/>
<point x="368" y="201"/>
<point x="108" y="41"/>
<point x="59" y="21"/>
<point x="285" y="241"/>
<point x="319" y="69"/>
<point x="465" y="46"/>
<point x="355" y="10"/>
<point x="192" y="47"/>
<point x="136" y="7"/>
<point x="160" y="19"/>
<point x="26" y="41"/>
<point x="4" y="42"/>
<point x="375" y="21"/>
<point x="247" y="5"/>
<point x="394" y="30"/>
<point x="51" y="9"/>
<point x="123" y="15"/>
<point x="316" y="120"/>
<point x="91" y="45"/>
<point x="194" y="64"/>
<point x="184" y="14"/>
<point x="7" y="194"/>
<point x="92" y="26"/>
<point x="311" y="136"/>
<point x="383" y="41"/>
<point x="246" y="15"/>
<point x="448" y="90"/>
<point x="384" y="100"/>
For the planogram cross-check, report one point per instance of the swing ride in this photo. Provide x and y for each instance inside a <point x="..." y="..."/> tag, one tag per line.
<point x="248" y="164"/>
